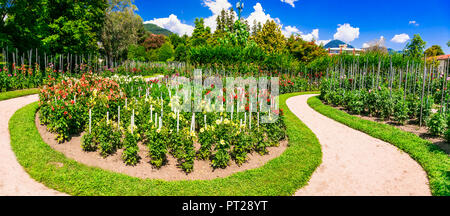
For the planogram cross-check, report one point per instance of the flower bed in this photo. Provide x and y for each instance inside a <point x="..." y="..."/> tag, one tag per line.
<point x="120" y="112"/>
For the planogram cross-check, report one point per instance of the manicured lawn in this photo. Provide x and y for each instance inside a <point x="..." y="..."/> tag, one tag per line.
<point x="18" y="93"/>
<point x="281" y="176"/>
<point x="433" y="160"/>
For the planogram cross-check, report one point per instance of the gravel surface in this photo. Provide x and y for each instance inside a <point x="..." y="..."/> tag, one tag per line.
<point x="14" y="181"/>
<point x="356" y="164"/>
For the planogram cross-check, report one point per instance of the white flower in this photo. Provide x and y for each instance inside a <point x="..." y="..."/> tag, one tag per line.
<point x="226" y="121"/>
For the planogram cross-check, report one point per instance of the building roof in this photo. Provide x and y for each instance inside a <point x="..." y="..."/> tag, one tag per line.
<point x="443" y="57"/>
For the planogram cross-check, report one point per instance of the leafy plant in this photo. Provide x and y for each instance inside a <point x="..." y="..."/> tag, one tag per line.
<point x="401" y="112"/>
<point x="437" y="124"/>
<point x="157" y="147"/>
<point x="130" y="154"/>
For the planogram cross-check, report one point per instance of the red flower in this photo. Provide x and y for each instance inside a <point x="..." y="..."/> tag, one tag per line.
<point x="65" y="112"/>
<point x="53" y="108"/>
<point x="72" y="101"/>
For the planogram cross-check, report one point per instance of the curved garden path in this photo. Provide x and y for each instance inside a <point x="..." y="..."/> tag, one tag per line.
<point x="355" y="163"/>
<point x="14" y="181"/>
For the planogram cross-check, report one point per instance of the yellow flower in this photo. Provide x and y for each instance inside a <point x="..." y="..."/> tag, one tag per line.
<point x="202" y="130"/>
<point x="222" y="142"/>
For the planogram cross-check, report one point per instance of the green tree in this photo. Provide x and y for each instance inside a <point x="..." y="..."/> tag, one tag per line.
<point x="415" y="47"/>
<point x="434" y="50"/>
<point x="303" y="50"/>
<point x="448" y="43"/>
<point x="201" y="33"/>
<point x="122" y="28"/>
<point x="270" y="37"/>
<point x="181" y="53"/>
<point x="137" y="52"/>
<point x="166" y="52"/>
<point x="57" y="26"/>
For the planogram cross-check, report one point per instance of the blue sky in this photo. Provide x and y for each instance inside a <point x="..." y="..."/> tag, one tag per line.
<point x="354" y="21"/>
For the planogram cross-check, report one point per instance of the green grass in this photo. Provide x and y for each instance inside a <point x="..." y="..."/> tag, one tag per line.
<point x="18" y="93"/>
<point x="433" y="160"/>
<point x="281" y="176"/>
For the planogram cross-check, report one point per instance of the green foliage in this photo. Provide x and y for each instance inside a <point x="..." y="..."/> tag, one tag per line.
<point x="434" y="50"/>
<point x="415" y="47"/>
<point x="181" y="53"/>
<point x="304" y="51"/>
<point x="122" y="28"/>
<point x="201" y="33"/>
<point x="157" y="145"/>
<point x="447" y="135"/>
<point x="130" y="154"/>
<point x="56" y="27"/>
<point x="166" y="52"/>
<point x="206" y="138"/>
<point x="401" y="112"/>
<point x="137" y="53"/>
<point x="437" y="124"/>
<point x="270" y="38"/>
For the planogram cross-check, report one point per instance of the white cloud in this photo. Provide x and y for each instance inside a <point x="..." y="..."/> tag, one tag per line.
<point x="215" y="6"/>
<point x="376" y="42"/>
<point x="322" y="42"/>
<point x="290" y="30"/>
<point x="259" y="15"/>
<point x="314" y="35"/>
<point x="173" y="24"/>
<point x="346" y="33"/>
<point x="413" y="22"/>
<point x="400" y="38"/>
<point x="290" y="2"/>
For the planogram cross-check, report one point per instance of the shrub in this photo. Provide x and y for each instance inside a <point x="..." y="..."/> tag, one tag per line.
<point x="401" y="112"/>
<point x="437" y="124"/>
<point x="130" y="155"/>
<point x="221" y="159"/>
<point x="157" y="147"/>
<point x="206" y="139"/>
<point x="447" y="135"/>
<point x="88" y="142"/>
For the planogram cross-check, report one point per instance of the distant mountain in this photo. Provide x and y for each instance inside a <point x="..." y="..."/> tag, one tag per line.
<point x="156" y="29"/>
<point x="335" y="44"/>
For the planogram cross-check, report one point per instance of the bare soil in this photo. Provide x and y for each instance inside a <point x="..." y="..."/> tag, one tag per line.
<point x="169" y="172"/>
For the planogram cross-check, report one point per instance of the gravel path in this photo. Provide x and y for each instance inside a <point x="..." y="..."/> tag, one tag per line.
<point x="356" y="164"/>
<point x="14" y="181"/>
